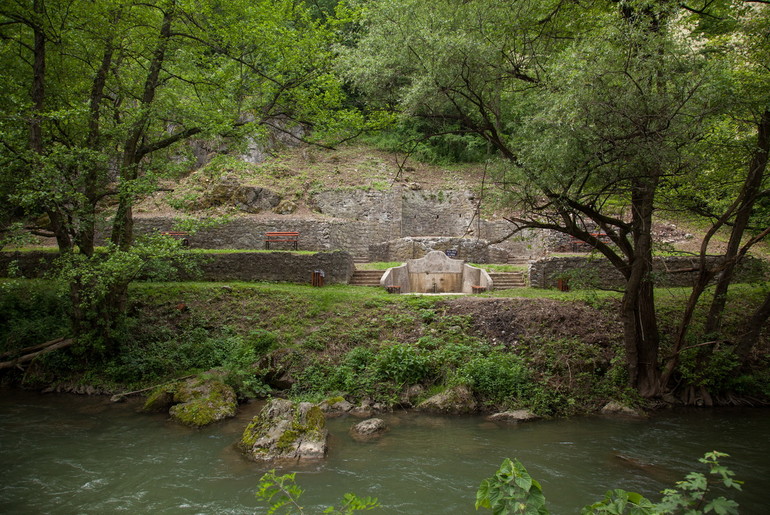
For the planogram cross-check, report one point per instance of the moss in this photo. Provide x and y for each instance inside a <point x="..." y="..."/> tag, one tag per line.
<point x="251" y="434"/>
<point x="315" y="421"/>
<point x="161" y="398"/>
<point x="204" y="402"/>
<point x="287" y="440"/>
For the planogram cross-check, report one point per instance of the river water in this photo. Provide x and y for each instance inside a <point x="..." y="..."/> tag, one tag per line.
<point x="64" y="455"/>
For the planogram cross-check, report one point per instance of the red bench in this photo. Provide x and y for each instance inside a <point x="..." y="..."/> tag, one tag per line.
<point x="184" y="237"/>
<point x="282" y="237"/>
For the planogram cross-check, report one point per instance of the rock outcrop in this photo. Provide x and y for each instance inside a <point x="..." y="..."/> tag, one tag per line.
<point x="195" y="402"/>
<point x="520" y="415"/>
<point x="369" y="429"/>
<point x="616" y="408"/>
<point x="201" y="402"/>
<point x="453" y="401"/>
<point x="284" y="430"/>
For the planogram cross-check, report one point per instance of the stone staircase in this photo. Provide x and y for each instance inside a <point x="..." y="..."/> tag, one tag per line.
<point x="518" y="260"/>
<point x="507" y="280"/>
<point x="366" y="278"/>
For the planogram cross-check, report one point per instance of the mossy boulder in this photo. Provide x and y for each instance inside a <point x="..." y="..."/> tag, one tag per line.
<point x="285" y="430"/>
<point x="453" y="401"/>
<point x="201" y="402"/>
<point x="160" y="399"/>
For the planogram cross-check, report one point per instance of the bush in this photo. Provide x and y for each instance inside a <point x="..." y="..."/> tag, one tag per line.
<point x="499" y="378"/>
<point x="401" y="364"/>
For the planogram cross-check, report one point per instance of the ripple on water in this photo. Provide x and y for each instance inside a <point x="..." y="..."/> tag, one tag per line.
<point x="107" y="459"/>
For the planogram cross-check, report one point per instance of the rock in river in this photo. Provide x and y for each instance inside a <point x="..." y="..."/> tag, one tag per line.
<point x="286" y="430"/>
<point x="369" y="429"/>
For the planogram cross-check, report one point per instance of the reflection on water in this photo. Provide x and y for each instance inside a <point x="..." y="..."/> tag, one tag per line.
<point x="64" y="454"/>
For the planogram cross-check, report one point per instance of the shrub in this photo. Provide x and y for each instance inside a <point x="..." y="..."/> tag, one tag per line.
<point x="498" y="378"/>
<point x="402" y="364"/>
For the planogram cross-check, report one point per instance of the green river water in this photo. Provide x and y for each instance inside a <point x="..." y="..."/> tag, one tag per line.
<point x="66" y="455"/>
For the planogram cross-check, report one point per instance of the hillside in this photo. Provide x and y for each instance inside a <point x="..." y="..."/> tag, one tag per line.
<point x="295" y="175"/>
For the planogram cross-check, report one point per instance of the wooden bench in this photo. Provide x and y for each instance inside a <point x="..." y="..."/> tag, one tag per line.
<point x="282" y="237"/>
<point x="184" y="237"/>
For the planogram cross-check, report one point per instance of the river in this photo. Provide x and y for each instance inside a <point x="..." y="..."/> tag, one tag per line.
<point x="62" y="454"/>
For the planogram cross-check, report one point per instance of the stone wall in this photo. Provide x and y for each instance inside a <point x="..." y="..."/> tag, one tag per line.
<point x="353" y="220"/>
<point x="599" y="273"/>
<point x="467" y="249"/>
<point x="238" y="266"/>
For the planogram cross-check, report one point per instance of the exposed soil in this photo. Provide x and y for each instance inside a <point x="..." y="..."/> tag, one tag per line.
<point x="509" y="320"/>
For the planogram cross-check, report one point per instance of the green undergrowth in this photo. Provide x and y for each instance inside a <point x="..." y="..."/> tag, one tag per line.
<point x="358" y="343"/>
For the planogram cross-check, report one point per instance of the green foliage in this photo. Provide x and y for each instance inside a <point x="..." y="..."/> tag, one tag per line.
<point x="283" y="495"/>
<point x="401" y="364"/>
<point x="688" y="496"/>
<point x="240" y="364"/>
<point x="31" y="312"/>
<point x="499" y="378"/>
<point x="714" y="370"/>
<point x="511" y="490"/>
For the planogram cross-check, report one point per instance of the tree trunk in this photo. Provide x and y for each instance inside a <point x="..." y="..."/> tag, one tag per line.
<point x="123" y="225"/>
<point x="754" y="327"/>
<point x="38" y="81"/>
<point x="751" y="188"/>
<point x="640" y="334"/>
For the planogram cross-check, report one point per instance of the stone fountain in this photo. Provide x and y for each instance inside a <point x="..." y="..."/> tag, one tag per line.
<point x="436" y="273"/>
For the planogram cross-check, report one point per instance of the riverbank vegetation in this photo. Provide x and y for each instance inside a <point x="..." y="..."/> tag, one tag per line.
<point x="591" y="119"/>
<point x="556" y="353"/>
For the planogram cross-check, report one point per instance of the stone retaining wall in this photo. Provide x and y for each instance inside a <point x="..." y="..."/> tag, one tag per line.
<point x="599" y="273"/>
<point x="353" y="220"/>
<point x="466" y="249"/>
<point x="338" y="267"/>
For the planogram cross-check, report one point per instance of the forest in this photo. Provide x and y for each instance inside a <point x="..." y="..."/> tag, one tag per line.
<point x="591" y="116"/>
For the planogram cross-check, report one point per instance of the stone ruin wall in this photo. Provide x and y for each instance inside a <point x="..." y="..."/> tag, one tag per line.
<point x="599" y="273"/>
<point x="355" y="220"/>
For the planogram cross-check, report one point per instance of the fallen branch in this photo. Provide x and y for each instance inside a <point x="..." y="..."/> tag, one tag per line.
<point x="47" y="347"/>
<point x="119" y="397"/>
<point x="33" y="348"/>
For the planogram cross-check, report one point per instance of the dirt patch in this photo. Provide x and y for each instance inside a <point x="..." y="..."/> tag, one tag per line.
<point x="511" y="320"/>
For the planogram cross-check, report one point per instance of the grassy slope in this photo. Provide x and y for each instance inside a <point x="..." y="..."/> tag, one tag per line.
<point x="362" y="342"/>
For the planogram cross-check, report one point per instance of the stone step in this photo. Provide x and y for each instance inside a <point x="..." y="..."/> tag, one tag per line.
<point x="507" y="280"/>
<point x="366" y="277"/>
<point x="360" y="259"/>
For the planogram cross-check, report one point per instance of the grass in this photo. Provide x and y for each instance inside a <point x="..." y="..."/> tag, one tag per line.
<point x="384" y="265"/>
<point x="490" y="267"/>
<point x="252" y="251"/>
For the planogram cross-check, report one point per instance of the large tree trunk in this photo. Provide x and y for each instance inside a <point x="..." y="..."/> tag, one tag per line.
<point x="123" y="225"/>
<point x="640" y="334"/>
<point x="751" y="188"/>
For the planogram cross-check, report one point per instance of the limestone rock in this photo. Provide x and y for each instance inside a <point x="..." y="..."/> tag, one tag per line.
<point x="254" y="199"/>
<point x="285" y="430"/>
<point x="285" y="207"/>
<point x="410" y="396"/>
<point x="369" y="429"/>
<point x="230" y="191"/>
<point x="160" y="399"/>
<point x="521" y="415"/>
<point x="336" y="406"/>
<point x="616" y="408"/>
<point x="455" y="401"/>
<point x="202" y="402"/>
